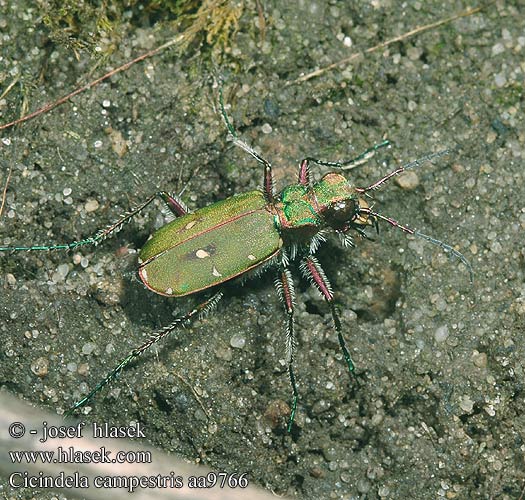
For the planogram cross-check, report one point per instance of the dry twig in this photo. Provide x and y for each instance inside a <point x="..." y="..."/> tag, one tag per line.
<point x="382" y="45"/>
<point x="62" y="100"/>
<point x="5" y="191"/>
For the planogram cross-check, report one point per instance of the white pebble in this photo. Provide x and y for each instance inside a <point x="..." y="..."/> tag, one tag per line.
<point x="498" y="49"/>
<point x="88" y="348"/>
<point x="441" y="334"/>
<point x="500" y="79"/>
<point x="238" y="341"/>
<point x="91" y="205"/>
<point x="266" y="128"/>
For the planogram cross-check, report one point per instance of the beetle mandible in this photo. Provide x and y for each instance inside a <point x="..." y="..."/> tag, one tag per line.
<point x="253" y="231"/>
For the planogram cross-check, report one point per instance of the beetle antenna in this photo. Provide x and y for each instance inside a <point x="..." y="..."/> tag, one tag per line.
<point x="403" y="168"/>
<point x="444" y="246"/>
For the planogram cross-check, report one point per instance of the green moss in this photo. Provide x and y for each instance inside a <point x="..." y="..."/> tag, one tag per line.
<point x="358" y="81"/>
<point x="80" y="25"/>
<point x="230" y="168"/>
<point x="97" y="26"/>
<point x="438" y="49"/>
<point x="510" y="95"/>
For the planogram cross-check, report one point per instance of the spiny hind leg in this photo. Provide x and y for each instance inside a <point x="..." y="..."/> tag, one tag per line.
<point x="173" y="203"/>
<point x="198" y="311"/>
<point x="285" y="290"/>
<point x="313" y="271"/>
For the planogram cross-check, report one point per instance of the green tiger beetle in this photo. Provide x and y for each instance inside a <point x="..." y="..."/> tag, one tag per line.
<point x="252" y="232"/>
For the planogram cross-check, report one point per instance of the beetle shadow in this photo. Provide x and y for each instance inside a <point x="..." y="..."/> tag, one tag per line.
<point x="349" y="284"/>
<point x="145" y="309"/>
<point x="149" y="313"/>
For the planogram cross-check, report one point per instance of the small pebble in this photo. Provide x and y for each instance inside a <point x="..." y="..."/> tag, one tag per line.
<point x="408" y="181"/>
<point x="83" y="369"/>
<point x="480" y="359"/>
<point x="266" y="128"/>
<point x="466" y="404"/>
<point x="383" y="492"/>
<point x="63" y="270"/>
<point x="118" y="142"/>
<point x="497" y="465"/>
<point x="88" y="348"/>
<point x="498" y="49"/>
<point x="275" y="412"/>
<point x="40" y="367"/>
<point x="363" y="486"/>
<point x="500" y="79"/>
<point x="238" y="341"/>
<point x="91" y="206"/>
<point x="441" y="334"/>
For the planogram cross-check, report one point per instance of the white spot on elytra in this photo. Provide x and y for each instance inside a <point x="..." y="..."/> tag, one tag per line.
<point x="189" y="225"/>
<point x="202" y="254"/>
<point x="252" y="257"/>
<point x="215" y="272"/>
<point x="169" y="291"/>
<point x="144" y="275"/>
<point x="140" y="260"/>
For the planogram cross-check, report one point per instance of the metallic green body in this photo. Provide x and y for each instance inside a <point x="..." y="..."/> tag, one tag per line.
<point x="301" y="209"/>
<point x="210" y="246"/>
<point x="297" y="207"/>
<point x="331" y="189"/>
<point x="233" y="236"/>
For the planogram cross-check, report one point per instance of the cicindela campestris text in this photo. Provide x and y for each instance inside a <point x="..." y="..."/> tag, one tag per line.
<point x="250" y="232"/>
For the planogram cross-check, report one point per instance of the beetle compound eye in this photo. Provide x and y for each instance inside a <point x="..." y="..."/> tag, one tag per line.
<point x="344" y="210"/>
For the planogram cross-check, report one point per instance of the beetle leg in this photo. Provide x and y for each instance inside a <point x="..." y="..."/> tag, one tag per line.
<point x="197" y="312"/>
<point x="304" y="172"/>
<point x="173" y="203"/>
<point x="285" y="289"/>
<point x="313" y="271"/>
<point x="176" y="206"/>
<point x="347" y="164"/>
<point x="268" y="177"/>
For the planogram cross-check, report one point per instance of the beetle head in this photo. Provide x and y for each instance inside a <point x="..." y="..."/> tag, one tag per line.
<point x="350" y="213"/>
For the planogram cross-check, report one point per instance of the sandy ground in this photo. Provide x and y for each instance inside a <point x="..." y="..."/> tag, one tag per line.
<point x="439" y="408"/>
